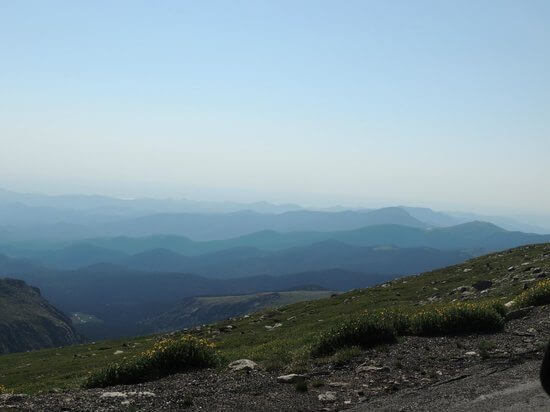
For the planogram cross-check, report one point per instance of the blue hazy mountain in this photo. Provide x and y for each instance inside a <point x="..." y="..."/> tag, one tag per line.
<point x="237" y="256"/>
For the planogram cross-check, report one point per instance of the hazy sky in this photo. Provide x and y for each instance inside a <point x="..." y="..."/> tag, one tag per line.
<point x="443" y="103"/>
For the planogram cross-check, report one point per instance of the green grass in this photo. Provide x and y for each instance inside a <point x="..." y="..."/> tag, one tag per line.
<point x="167" y="356"/>
<point x="365" y="332"/>
<point x="377" y="328"/>
<point x="537" y="295"/>
<point x="458" y="318"/>
<point x="286" y="347"/>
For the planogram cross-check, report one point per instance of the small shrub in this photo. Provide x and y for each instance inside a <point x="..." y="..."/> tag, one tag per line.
<point x="366" y="332"/>
<point x="167" y="356"/>
<point x="399" y="320"/>
<point x="3" y="389"/>
<point x="538" y="295"/>
<point x="457" y="318"/>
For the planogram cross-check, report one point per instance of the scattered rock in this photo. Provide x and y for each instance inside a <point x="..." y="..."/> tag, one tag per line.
<point x="464" y="289"/>
<point x="119" y="352"/>
<point x="328" y="396"/>
<point x="509" y="304"/>
<point x="292" y="378"/>
<point x="243" y="364"/>
<point x="471" y="353"/>
<point x="12" y="397"/>
<point x="371" y="368"/>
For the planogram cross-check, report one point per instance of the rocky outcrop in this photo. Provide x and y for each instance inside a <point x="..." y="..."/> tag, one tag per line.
<point x="28" y="321"/>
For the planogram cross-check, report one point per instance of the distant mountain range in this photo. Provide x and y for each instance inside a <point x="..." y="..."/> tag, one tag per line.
<point x="123" y="289"/>
<point x="210" y="226"/>
<point x="373" y="249"/>
<point x="38" y="218"/>
<point x="121" y="262"/>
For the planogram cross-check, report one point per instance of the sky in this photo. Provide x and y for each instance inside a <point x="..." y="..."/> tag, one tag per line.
<point x="437" y="103"/>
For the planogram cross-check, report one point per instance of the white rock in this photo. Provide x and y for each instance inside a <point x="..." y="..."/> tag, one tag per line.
<point x="471" y="353"/>
<point x="509" y="304"/>
<point x="293" y="377"/>
<point x="144" y="393"/>
<point x="113" y="395"/>
<point x="119" y="352"/>
<point x="327" y="396"/>
<point x="243" y="364"/>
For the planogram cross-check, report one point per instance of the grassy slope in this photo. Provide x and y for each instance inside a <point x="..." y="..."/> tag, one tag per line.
<point x="285" y="345"/>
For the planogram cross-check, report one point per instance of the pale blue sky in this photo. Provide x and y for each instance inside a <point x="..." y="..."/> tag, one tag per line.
<point x="442" y="103"/>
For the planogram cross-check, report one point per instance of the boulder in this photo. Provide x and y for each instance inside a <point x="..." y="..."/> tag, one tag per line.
<point x="243" y="364"/>
<point x="292" y="378"/>
<point x="482" y="285"/>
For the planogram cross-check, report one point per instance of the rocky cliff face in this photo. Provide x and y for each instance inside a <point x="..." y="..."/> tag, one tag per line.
<point x="28" y="321"/>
